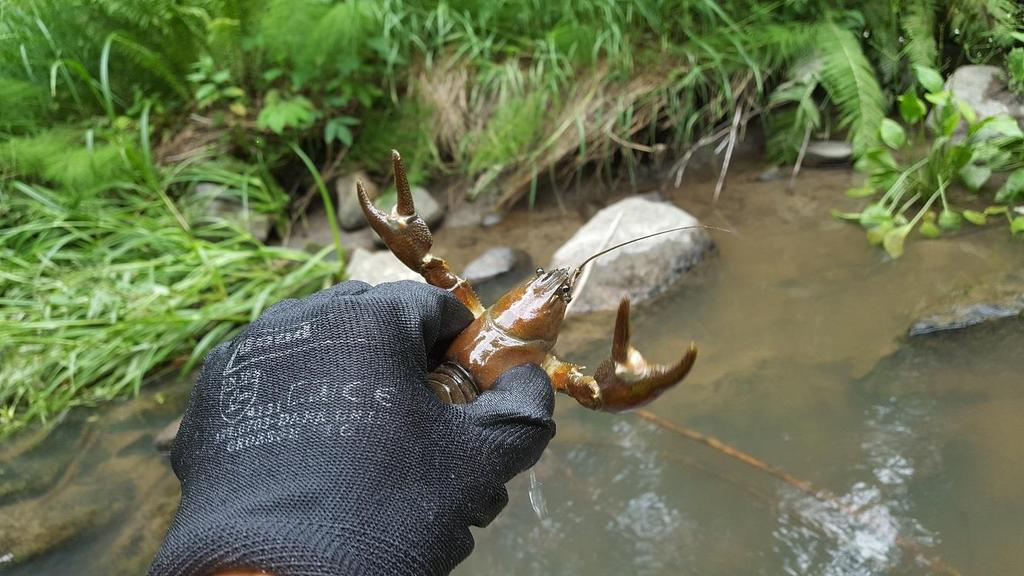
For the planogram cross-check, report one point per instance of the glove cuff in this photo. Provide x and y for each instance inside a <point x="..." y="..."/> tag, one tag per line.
<point x="283" y="549"/>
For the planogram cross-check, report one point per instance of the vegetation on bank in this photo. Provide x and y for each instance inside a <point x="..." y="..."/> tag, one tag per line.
<point x="115" y="111"/>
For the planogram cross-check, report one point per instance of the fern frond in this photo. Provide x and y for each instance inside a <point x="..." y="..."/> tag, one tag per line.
<point x="918" y="23"/>
<point x="850" y="81"/>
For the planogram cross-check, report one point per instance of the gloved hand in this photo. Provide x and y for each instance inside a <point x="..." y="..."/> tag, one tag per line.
<point x="312" y="443"/>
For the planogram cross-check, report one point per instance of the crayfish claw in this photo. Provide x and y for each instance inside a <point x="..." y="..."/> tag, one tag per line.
<point x="626" y="379"/>
<point x="402" y="230"/>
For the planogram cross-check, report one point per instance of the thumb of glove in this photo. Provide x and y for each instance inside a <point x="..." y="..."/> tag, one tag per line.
<point x="514" y="418"/>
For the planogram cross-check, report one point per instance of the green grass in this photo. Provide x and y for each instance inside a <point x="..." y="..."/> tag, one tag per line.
<point x="102" y="284"/>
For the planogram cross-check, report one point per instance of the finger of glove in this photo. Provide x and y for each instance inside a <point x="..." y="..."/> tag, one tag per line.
<point x="514" y="417"/>
<point x="441" y="316"/>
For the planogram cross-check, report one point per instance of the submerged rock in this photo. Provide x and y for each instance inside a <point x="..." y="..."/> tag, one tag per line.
<point x="497" y="271"/>
<point x="377" y="267"/>
<point x="978" y="305"/>
<point x="165" y="439"/>
<point x="828" y="153"/>
<point x="640" y="270"/>
<point x="350" y="214"/>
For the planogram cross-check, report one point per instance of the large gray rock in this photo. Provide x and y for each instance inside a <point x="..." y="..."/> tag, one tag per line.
<point x="984" y="88"/>
<point x="640" y="270"/>
<point x="496" y="271"/>
<point x="376" y="267"/>
<point x="980" y="304"/>
<point x="350" y="214"/>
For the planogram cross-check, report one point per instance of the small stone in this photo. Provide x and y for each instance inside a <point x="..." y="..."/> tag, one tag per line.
<point x="640" y="270"/>
<point x="209" y="201"/>
<point x="771" y="175"/>
<point x="492" y="219"/>
<point x="377" y="267"/>
<point x="350" y="213"/>
<point x="165" y="439"/>
<point x="497" y="270"/>
<point x="828" y="153"/>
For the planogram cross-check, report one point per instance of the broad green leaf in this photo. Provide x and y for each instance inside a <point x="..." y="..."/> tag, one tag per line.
<point x="874" y="215"/>
<point x="1017" y="225"/>
<point x="959" y="155"/>
<point x="280" y="114"/>
<point x="929" y="78"/>
<point x="976" y="218"/>
<point x="338" y="129"/>
<point x="912" y="109"/>
<point x="949" y="220"/>
<point x="1015" y="65"/>
<point x="1013" y="189"/>
<point x="877" y="234"/>
<point x="974" y="176"/>
<point x="862" y="192"/>
<point x="1002" y="124"/>
<point x="893" y="241"/>
<point x="967" y="111"/>
<point x="938" y="98"/>
<point x="996" y="210"/>
<point x="950" y="120"/>
<point x="892" y="134"/>
<point x="929" y="230"/>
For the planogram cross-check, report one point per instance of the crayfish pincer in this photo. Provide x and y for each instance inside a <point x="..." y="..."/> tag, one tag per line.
<point x="522" y="326"/>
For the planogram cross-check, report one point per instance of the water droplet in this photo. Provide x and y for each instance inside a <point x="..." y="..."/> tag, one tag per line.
<point x="900" y="39"/>
<point x="990" y="40"/>
<point x="867" y="34"/>
<point x="956" y="31"/>
<point x="540" y="508"/>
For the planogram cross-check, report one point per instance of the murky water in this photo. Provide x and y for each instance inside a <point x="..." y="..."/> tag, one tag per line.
<point x="803" y="364"/>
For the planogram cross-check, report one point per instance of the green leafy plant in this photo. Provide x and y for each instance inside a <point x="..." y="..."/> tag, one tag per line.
<point x="1015" y="70"/>
<point x="280" y="113"/>
<point x="215" y="87"/>
<point x="963" y="150"/>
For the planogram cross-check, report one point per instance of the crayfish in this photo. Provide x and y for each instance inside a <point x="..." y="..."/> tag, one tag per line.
<point x="521" y="326"/>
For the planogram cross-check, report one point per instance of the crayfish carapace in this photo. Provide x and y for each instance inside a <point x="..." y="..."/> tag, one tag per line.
<point x="522" y="326"/>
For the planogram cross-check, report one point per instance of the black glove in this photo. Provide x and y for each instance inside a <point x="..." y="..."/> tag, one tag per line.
<point x="312" y="443"/>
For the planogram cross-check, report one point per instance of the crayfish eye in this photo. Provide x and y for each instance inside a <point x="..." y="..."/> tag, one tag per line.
<point x="566" y="292"/>
<point x="540" y="272"/>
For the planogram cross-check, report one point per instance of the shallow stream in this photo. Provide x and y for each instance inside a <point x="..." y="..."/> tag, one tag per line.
<point x="803" y="363"/>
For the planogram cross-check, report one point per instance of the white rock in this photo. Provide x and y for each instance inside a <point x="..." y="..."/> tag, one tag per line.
<point x="376" y="267"/>
<point x="640" y="270"/>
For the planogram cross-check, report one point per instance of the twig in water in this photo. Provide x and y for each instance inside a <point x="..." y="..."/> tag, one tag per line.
<point x="800" y="157"/>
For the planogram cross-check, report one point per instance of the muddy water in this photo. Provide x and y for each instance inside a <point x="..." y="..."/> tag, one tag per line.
<point x="802" y="363"/>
